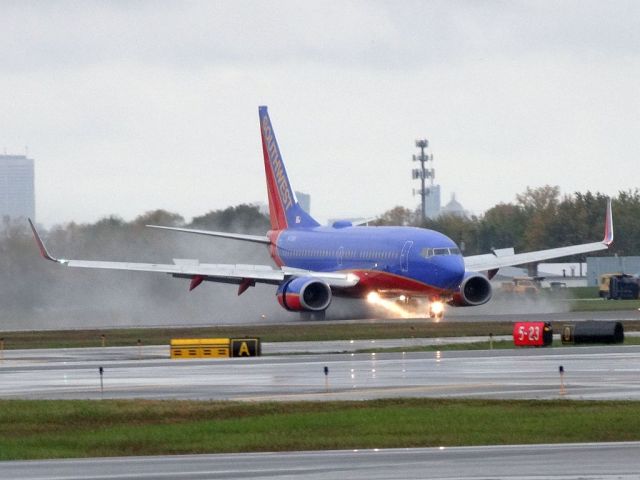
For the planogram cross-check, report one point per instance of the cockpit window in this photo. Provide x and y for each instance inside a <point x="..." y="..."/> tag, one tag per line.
<point x="430" y="252"/>
<point x="426" y="252"/>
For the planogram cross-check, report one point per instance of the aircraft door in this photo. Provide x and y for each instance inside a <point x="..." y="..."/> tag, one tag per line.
<point x="340" y="256"/>
<point x="404" y="256"/>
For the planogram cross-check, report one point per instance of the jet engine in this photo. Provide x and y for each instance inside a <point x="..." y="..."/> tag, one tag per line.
<point x="301" y="294"/>
<point x="475" y="290"/>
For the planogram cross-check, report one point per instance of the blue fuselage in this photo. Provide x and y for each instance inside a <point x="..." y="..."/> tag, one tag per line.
<point x="392" y="259"/>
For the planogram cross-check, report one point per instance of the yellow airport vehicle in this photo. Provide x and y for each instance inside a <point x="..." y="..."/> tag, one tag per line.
<point x="523" y="285"/>
<point x="618" y="286"/>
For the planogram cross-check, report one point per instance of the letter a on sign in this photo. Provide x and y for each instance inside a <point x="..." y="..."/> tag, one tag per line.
<point x="244" y="350"/>
<point x="249" y="347"/>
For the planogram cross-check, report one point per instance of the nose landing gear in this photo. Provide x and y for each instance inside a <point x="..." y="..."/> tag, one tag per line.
<point x="436" y="310"/>
<point x="422" y="307"/>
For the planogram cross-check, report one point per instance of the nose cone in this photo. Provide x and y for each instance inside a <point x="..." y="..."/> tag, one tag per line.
<point x="449" y="271"/>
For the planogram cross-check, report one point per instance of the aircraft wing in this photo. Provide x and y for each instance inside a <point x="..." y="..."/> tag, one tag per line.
<point x="507" y="257"/>
<point x="244" y="275"/>
<point x="479" y="263"/>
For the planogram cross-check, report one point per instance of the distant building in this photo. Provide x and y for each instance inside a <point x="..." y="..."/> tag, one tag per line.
<point x="17" y="192"/>
<point x="432" y="201"/>
<point x="453" y="208"/>
<point x="565" y="273"/>
<point x="563" y="269"/>
<point x="304" y="199"/>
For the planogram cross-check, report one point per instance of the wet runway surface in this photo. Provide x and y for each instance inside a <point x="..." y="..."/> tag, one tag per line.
<point x="593" y="373"/>
<point x="567" y="462"/>
<point x="590" y="373"/>
<point x="485" y="313"/>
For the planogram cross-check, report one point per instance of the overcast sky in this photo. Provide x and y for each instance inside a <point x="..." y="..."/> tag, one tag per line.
<point x="133" y="106"/>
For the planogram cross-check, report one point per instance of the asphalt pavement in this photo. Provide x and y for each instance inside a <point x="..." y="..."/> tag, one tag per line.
<point x="129" y="372"/>
<point x="591" y="461"/>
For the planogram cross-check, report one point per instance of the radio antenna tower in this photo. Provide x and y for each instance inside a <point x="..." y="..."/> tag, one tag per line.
<point x="423" y="173"/>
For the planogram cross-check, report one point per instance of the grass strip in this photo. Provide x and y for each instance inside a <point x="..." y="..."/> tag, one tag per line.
<point x="66" y="429"/>
<point x="599" y="305"/>
<point x="267" y="333"/>
<point x="581" y="292"/>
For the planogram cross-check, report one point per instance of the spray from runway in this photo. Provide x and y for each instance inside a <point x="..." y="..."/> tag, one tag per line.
<point x="388" y="305"/>
<point x="36" y="294"/>
<point x="397" y="309"/>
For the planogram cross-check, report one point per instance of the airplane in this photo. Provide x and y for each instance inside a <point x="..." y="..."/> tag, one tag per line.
<point x="314" y="263"/>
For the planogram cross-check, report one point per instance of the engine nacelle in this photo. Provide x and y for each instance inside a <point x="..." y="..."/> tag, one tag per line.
<point x="304" y="294"/>
<point x="475" y="290"/>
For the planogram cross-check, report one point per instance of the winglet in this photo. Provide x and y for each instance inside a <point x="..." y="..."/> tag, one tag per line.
<point x="43" y="250"/>
<point x="608" y="226"/>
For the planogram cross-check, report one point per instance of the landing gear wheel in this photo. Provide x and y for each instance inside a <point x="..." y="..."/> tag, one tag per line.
<point x="436" y="314"/>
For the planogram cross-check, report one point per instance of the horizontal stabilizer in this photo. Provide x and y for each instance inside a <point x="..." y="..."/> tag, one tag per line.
<point x="233" y="236"/>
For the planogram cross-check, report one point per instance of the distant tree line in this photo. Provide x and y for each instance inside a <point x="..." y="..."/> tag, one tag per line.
<point x="540" y="218"/>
